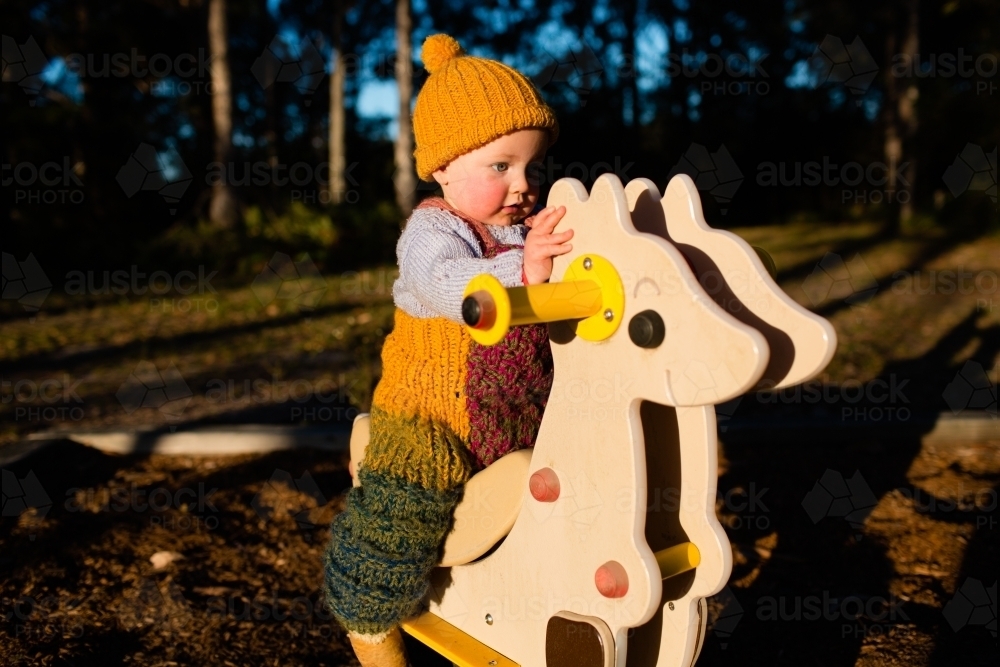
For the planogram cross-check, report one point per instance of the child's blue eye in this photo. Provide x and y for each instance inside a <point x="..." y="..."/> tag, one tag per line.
<point x="500" y="166"/>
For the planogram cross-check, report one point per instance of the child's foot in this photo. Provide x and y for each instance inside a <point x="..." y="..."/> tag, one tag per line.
<point x="387" y="653"/>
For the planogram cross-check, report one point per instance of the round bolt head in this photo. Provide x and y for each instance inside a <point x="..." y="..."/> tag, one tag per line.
<point x="609" y="315"/>
<point x="587" y="263"/>
<point x="544" y="485"/>
<point x="646" y="329"/>
<point x="489" y="619"/>
<point x="611" y="580"/>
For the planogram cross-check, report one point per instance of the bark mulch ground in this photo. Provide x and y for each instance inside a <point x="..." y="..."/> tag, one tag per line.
<point x="869" y="588"/>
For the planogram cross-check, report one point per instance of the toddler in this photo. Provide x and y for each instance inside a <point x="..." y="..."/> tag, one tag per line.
<point x="446" y="406"/>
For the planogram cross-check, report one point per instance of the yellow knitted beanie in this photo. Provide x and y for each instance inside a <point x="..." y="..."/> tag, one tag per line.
<point x="467" y="102"/>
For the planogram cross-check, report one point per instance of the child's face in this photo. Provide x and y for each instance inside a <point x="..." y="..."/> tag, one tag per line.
<point x="495" y="183"/>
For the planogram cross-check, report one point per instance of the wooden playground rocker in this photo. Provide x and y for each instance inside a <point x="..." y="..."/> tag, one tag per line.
<point x="598" y="547"/>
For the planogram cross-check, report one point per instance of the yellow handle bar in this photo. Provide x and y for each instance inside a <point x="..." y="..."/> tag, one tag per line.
<point x="591" y="291"/>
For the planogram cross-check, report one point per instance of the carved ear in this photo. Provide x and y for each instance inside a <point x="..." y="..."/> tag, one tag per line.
<point x="566" y="191"/>
<point x="682" y="194"/>
<point x="638" y="187"/>
<point x="608" y="196"/>
<point x="644" y="203"/>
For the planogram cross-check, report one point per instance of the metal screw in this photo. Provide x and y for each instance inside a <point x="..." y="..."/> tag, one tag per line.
<point x="492" y="662"/>
<point x="489" y="619"/>
<point x="587" y="263"/>
<point x="670" y="605"/>
<point x="609" y="315"/>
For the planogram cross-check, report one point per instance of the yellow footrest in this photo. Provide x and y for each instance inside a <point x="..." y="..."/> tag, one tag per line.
<point x="452" y="643"/>
<point x="677" y="559"/>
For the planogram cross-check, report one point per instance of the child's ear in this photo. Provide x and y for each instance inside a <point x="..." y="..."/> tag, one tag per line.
<point x="441" y="175"/>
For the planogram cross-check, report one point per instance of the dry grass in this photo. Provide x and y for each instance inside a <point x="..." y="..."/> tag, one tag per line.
<point x="231" y="339"/>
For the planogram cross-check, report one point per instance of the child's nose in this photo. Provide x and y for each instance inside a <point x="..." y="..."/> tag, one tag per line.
<point x="519" y="184"/>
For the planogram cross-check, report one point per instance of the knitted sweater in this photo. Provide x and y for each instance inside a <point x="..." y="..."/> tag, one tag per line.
<point x="445" y="407"/>
<point x="439" y="254"/>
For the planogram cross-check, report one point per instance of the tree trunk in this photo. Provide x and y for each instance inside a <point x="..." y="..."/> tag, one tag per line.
<point x="908" y="112"/>
<point x="404" y="178"/>
<point x="337" y="186"/>
<point x="222" y="209"/>
<point x="271" y="114"/>
<point x="893" y="146"/>
<point x="901" y="114"/>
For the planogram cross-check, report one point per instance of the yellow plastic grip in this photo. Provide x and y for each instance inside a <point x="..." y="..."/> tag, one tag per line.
<point x="591" y="291"/>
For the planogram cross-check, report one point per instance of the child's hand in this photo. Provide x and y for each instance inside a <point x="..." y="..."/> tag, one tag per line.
<point x="542" y="245"/>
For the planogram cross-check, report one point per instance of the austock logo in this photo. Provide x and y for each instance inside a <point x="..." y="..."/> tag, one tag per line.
<point x="579" y="69"/>
<point x="309" y="612"/>
<point x="875" y="400"/>
<point x="24" y="65"/>
<point x="834" y="496"/>
<point x="300" y="64"/>
<point x="284" y="279"/>
<point x="949" y="65"/>
<point x="851" y="65"/>
<point x="715" y="173"/>
<point x="20" y="496"/>
<point x="183" y="508"/>
<point x="25" y="281"/>
<point x="726" y="411"/>
<point x="726" y="613"/>
<point x="973" y="170"/>
<point x="833" y="278"/>
<point x="299" y="174"/>
<point x="148" y="169"/>
<point x="739" y="71"/>
<point x="147" y="387"/>
<point x="859" y="183"/>
<point x="39" y="618"/>
<point x="284" y="496"/>
<point x="745" y="508"/>
<point x="48" y="399"/>
<point x="860" y="616"/>
<point x="39" y="183"/>
<point x="580" y="503"/>
<point x="971" y="389"/>
<point x="700" y="383"/>
<point x="973" y="604"/>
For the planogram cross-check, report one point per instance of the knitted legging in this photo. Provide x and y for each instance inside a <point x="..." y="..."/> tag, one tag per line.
<point x="445" y="407"/>
<point x="385" y="543"/>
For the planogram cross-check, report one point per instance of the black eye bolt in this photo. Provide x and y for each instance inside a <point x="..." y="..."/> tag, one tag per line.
<point x="646" y="329"/>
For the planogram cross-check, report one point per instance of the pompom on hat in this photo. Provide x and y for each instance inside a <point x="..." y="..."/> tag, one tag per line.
<point x="467" y="102"/>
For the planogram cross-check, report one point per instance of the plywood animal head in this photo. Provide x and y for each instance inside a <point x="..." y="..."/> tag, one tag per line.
<point x="705" y="355"/>
<point x="732" y="274"/>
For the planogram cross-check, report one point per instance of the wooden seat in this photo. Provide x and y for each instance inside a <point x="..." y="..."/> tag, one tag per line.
<point x="489" y="506"/>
